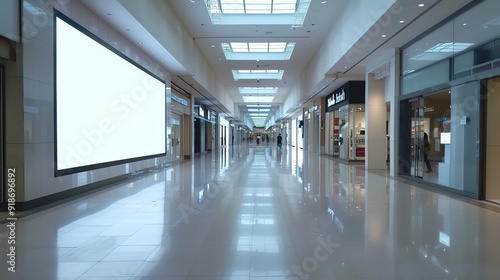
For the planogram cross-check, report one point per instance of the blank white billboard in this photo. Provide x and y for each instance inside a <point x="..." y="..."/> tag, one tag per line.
<point x="109" y="110"/>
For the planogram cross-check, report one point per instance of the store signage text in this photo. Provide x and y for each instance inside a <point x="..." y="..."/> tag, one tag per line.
<point x="336" y="98"/>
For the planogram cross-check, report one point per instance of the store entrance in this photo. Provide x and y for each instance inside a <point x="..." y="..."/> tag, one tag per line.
<point x="430" y="137"/>
<point x="176" y="137"/>
<point x="418" y="127"/>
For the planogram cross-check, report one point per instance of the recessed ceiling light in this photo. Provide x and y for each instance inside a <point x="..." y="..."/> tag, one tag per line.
<point x="401" y="21"/>
<point x="383" y="35"/>
<point x="464" y="24"/>
<point x="323" y="2"/>
<point x="421" y="5"/>
<point x="140" y="43"/>
<point x="212" y="46"/>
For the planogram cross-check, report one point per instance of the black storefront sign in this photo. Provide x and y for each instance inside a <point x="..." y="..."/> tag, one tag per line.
<point x="352" y="92"/>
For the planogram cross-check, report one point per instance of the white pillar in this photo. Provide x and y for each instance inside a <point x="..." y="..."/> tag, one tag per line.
<point x="392" y="94"/>
<point x="375" y="117"/>
<point x="191" y="133"/>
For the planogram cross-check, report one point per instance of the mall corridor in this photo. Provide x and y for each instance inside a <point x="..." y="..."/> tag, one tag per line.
<point x="250" y="212"/>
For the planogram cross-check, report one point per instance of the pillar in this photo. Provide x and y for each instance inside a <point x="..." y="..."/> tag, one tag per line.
<point x="375" y="118"/>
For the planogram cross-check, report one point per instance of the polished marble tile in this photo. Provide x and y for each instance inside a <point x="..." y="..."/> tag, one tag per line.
<point x="95" y="249"/>
<point x="64" y="270"/>
<point x="130" y="253"/>
<point x="112" y="269"/>
<point x="257" y="220"/>
<point x="215" y="261"/>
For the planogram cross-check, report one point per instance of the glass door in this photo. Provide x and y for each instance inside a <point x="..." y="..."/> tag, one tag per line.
<point x="176" y="136"/>
<point x="417" y="133"/>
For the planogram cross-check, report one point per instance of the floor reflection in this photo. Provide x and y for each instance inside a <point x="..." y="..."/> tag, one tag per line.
<point x="256" y="212"/>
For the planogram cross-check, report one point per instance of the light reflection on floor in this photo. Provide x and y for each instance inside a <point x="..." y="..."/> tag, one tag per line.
<point x="252" y="212"/>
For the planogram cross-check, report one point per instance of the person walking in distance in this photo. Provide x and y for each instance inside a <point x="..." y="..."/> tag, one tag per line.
<point x="278" y="140"/>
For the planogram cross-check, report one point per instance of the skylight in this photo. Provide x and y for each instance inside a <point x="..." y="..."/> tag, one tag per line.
<point x="258" y="114"/>
<point x="258" y="90"/>
<point x="257" y="99"/>
<point x="265" y="110"/>
<point x="279" y="12"/>
<point x="258" y="46"/>
<point x="251" y="107"/>
<point x="257" y="71"/>
<point x="258" y="6"/>
<point x="258" y="50"/>
<point x="257" y="74"/>
<point x="259" y="121"/>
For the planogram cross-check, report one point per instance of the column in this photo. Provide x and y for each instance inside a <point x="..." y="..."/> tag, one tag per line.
<point x="375" y="118"/>
<point x="392" y="93"/>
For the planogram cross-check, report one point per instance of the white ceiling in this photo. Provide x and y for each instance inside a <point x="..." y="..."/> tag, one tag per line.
<point x="309" y="38"/>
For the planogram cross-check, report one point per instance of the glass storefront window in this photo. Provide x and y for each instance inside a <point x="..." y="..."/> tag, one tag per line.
<point x="467" y="44"/>
<point x="358" y="120"/>
<point x="344" y="128"/>
<point x="444" y="139"/>
<point x="175" y="139"/>
<point x="433" y="47"/>
<point x="351" y="127"/>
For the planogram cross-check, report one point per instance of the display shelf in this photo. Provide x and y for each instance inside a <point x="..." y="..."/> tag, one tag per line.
<point x="360" y="140"/>
<point x="336" y="143"/>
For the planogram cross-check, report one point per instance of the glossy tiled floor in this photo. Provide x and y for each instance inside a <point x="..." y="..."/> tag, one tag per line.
<point x="252" y="213"/>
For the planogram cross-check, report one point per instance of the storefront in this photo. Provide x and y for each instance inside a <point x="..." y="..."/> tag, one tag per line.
<point x="448" y="104"/>
<point x="178" y="124"/>
<point x="345" y="121"/>
<point x="204" y="128"/>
